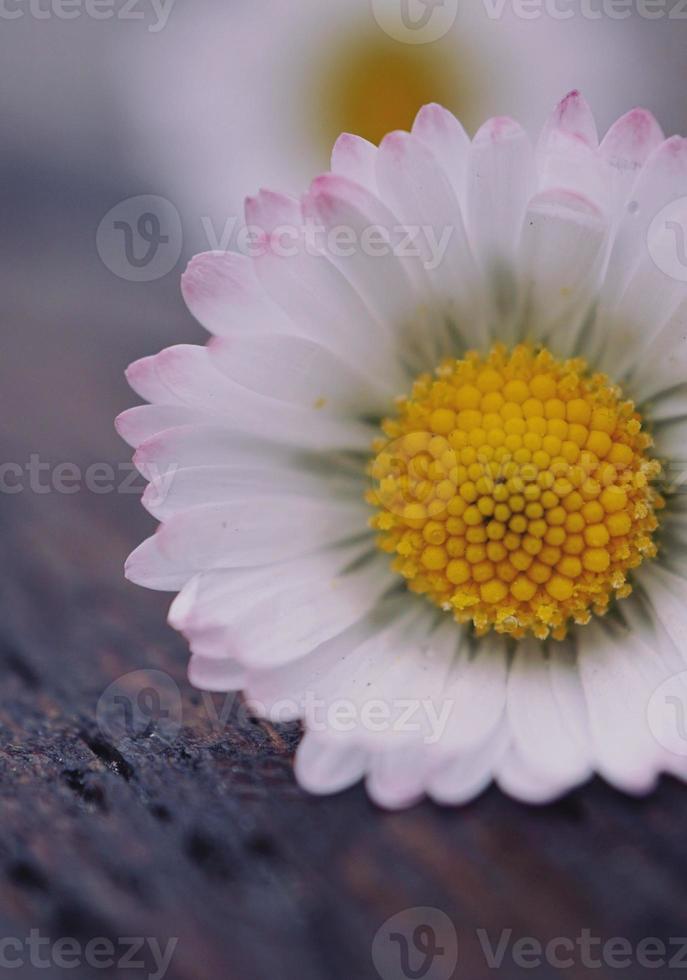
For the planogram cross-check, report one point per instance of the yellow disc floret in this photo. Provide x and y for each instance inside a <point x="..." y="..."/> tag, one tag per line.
<point x="515" y="490"/>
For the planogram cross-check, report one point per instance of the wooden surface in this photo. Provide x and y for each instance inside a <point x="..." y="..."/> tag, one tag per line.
<point x="200" y="832"/>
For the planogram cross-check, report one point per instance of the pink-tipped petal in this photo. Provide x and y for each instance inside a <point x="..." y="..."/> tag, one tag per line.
<point x="631" y="139"/>
<point x="443" y="134"/>
<point x="568" y="153"/>
<point x="354" y="157"/>
<point x="270" y="211"/>
<point x="144" y="380"/>
<point x="224" y="294"/>
<point x="574" y="118"/>
<point x="626" y="147"/>
<point x="662" y="180"/>
<point x="386" y="282"/>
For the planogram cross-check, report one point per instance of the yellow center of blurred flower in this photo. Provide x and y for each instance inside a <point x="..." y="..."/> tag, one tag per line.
<point x="373" y="84"/>
<point x="515" y="491"/>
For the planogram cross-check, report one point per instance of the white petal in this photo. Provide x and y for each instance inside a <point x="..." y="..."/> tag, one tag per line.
<point x="138" y="425"/>
<point x="282" y="691"/>
<point x="666" y="368"/>
<point x="215" y="598"/>
<point x="396" y="777"/>
<point x="188" y="372"/>
<point x="562" y="243"/>
<point x="568" y="693"/>
<point x="617" y="673"/>
<point x="468" y="774"/>
<point x="394" y="677"/>
<point x="667" y="686"/>
<point x="300" y="372"/>
<point x="278" y="620"/>
<point x="641" y="617"/>
<point x="519" y="780"/>
<point x="649" y="301"/>
<point x="386" y="671"/>
<point x="205" y="643"/>
<point x="143" y="378"/>
<point x="626" y="147"/>
<point x="662" y="179"/>
<point x="325" y="765"/>
<point x="393" y="288"/>
<point x="175" y="490"/>
<point x="312" y="291"/>
<point x="443" y="134"/>
<point x="240" y="533"/>
<point x="540" y="734"/>
<point x="572" y="117"/>
<point x="419" y="193"/>
<point x="296" y="620"/>
<point x="190" y="446"/>
<point x="567" y="153"/>
<point x="354" y="157"/>
<point x="223" y="293"/>
<point x="477" y="691"/>
<point x="501" y="181"/>
<point x="211" y="674"/>
<point x="667" y="595"/>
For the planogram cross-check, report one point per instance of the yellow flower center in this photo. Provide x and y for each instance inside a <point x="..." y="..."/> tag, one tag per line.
<point x="515" y="491"/>
<point x="401" y="78"/>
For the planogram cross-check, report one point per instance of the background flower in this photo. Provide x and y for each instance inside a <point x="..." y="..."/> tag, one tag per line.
<point x="254" y="94"/>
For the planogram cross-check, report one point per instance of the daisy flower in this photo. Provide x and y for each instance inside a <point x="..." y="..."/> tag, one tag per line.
<point x="419" y="489"/>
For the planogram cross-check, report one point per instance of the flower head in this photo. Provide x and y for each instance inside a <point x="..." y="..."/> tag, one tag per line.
<point x="516" y="491"/>
<point x="416" y="491"/>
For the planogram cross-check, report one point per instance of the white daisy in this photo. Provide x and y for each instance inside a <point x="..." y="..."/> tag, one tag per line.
<point x="424" y="579"/>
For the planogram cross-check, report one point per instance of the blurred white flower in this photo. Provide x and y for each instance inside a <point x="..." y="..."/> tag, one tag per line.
<point x="254" y="94"/>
